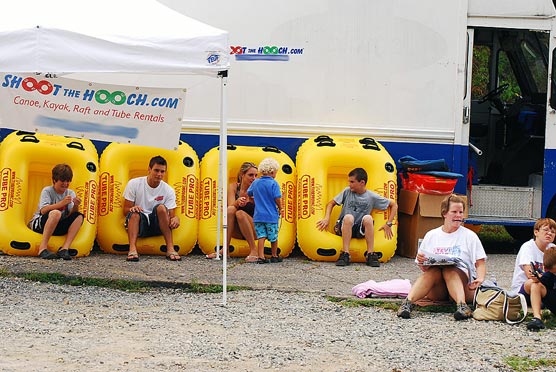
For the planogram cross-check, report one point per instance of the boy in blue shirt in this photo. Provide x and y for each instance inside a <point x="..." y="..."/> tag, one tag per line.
<point x="268" y="208"/>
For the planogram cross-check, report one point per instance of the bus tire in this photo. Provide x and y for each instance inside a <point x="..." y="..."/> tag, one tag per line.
<point x="520" y="233"/>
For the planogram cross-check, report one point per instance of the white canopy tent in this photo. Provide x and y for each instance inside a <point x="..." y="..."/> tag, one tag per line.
<point x="131" y="42"/>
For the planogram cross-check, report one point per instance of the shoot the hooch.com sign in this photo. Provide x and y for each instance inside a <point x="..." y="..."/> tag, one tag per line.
<point x="113" y="113"/>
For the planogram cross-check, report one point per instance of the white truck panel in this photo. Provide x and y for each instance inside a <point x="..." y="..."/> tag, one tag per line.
<point x="384" y="68"/>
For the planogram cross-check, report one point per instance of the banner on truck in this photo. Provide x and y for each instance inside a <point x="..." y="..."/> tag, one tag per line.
<point x="113" y="113"/>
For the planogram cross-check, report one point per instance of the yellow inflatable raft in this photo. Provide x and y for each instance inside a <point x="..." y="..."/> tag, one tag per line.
<point x="208" y="190"/>
<point x="26" y="160"/>
<point x="121" y="162"/>
<point x="323" y="164"/>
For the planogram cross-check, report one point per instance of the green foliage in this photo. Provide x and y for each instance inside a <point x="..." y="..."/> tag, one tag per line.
<point x="481" y="78"/>
<point x="481" y="56"/>
<point x="495" y="232"/>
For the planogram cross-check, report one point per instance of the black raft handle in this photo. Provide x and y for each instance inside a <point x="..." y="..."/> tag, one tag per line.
<point x="76" y="145"/>
<point x="369" y="144"/>
<point x="271" y="149"/>
<point x="29" y="138"/>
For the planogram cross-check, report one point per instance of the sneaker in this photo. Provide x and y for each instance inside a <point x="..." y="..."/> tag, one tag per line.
<point x="343" y="260"/>
<point x="405" y="309"/>
<point x="463" y="312"/>
<point x="276" y="259"/>
<point x="372" y="260"/>
<point x="64" y="253"/>
<point x="535" y="324"/>
<point x="47" y="255"/>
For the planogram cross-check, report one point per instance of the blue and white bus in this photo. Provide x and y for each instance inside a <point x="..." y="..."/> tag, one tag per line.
<point x="469" y="81"/>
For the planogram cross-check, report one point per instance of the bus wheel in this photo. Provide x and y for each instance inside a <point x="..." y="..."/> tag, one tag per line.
<point x="520" y="233"/>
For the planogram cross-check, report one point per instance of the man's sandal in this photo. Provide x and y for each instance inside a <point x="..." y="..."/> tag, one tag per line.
<point x="132" y="257"/>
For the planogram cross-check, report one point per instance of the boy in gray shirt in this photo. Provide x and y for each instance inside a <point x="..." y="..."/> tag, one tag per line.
<point x="57" y="213"/>
<point x="355" y="219"/>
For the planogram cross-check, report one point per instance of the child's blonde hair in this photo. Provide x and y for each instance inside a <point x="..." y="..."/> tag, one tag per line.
<point x="268" y="165"/>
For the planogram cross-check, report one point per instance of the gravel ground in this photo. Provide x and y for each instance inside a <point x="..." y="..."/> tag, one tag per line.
<point x="288" y="326"/>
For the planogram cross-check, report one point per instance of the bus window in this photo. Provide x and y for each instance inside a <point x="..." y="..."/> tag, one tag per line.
<point x="506" y="76"/>
<point x="536" y="65"/>
<point x="480" y="79"/>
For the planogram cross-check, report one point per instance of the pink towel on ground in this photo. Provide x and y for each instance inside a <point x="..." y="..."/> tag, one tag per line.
<point x="389" y="288"/>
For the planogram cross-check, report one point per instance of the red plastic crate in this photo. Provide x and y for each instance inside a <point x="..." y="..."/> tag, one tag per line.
<point x="428" y="184"/>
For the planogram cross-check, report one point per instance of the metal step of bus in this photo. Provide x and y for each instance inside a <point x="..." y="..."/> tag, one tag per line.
<point x="515" y="205"/>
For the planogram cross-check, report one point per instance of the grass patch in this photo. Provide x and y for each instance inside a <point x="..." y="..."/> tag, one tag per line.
<point x="524" y="364"/>
<point x="437" y="308"/>
<point x="195" y="287"/>
<point x="364" y="302"/>
<point x="548" y="318"/>
<point x="119" y="284"/>
<point x="392" y="304"/>
<point x="61" y="279"/>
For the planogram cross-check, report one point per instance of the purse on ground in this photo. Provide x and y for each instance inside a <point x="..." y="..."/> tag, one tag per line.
<point x="494" y="303"/>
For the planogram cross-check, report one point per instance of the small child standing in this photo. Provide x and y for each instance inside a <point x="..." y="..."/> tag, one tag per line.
<point x="268" y="208"/>
<point x="57" y="213"/>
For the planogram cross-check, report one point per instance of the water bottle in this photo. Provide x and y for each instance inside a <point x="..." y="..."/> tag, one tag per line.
<point x="493" y="279"/>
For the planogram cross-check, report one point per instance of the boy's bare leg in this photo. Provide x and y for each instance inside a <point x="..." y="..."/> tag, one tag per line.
<point x="537" y="292"/>
<point x="49" y="227"/>
<point x="347" y="226"/>
<point x="72" y="232"/>
<point x="369" y="233"/>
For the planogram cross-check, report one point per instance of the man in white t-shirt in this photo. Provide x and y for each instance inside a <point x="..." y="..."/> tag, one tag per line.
<point x="149" y="207"/>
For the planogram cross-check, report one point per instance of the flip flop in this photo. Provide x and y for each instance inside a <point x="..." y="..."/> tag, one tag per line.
<point x="212" y="256"/>
<point x="252" y="259"/>
<point x="173" y="257"/>
<point x="132" y="257"/>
